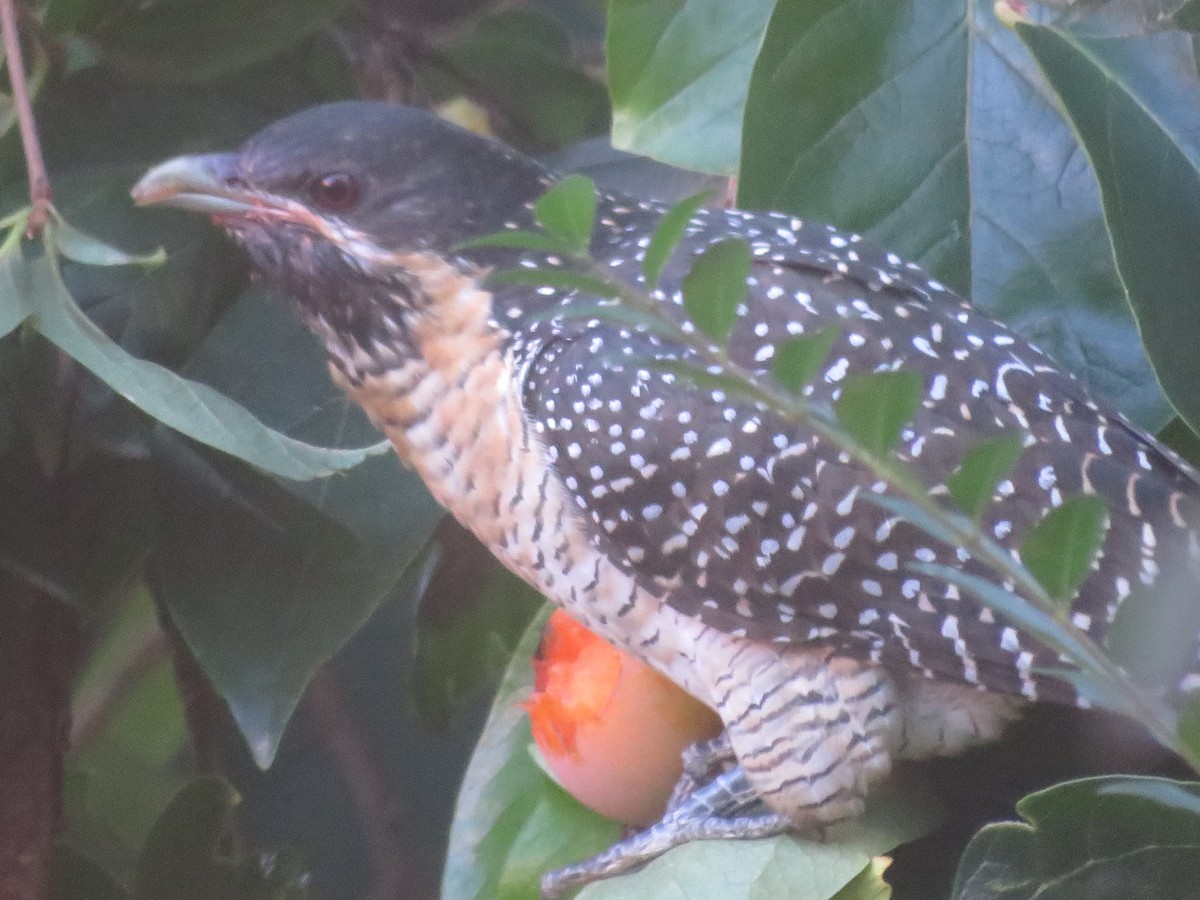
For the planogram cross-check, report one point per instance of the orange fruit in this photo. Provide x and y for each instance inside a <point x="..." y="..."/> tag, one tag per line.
<point x="610" y="728"/>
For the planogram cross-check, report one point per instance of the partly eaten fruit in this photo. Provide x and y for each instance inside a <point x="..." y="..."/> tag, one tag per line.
<point x="610" y="728"/>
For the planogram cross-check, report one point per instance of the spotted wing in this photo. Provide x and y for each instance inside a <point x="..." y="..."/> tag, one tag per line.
<point x="756" y="526"/>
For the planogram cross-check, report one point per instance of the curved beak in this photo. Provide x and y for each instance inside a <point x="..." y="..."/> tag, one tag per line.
<point x="203" y="183"/>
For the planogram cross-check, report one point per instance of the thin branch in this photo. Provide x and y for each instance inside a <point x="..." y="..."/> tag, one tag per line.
<point x="396" y="870"/>
<point x="35" y="165"/>
<point x="41" y="649"/>
<point x="96" y="711"/>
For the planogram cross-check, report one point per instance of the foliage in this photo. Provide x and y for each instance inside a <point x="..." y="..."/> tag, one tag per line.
<point x="1150" y="846"/>
<point x="153" y="446"/>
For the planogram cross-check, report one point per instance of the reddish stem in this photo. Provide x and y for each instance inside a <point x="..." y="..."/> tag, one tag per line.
<point x="41" y="649"/>
<point x="35" y="166"/>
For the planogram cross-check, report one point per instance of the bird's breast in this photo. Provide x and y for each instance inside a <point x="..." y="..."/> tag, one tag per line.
<point x="450" y="401"/>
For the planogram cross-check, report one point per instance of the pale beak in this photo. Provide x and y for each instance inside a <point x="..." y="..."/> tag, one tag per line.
<point x="202" y="183"/>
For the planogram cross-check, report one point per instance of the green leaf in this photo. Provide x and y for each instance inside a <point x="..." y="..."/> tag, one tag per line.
<point x="1152" y="635"/>
<point x="190" y="43"/>
<point x="1182" y="439"/>
<point x="512" y="822"/>
<point x="715" y="285"/>
<point x="568" y="211"/>
<point x="193" y="854"/>
<point x="1137" y="119"/>
<point x="15" y="306"/>
<point x="1111" y="837"/>
<point x="875" y="406"/>
<point x="797" y="361"/>
<point x="973" y="483"/>
<point x="128" y="730"/>
<point x="189" y="407"/>
<point x="1098" y="690"/>
<point x="667" y="235"/>
<point x="563" y="279"/>
<point x="983" y="184"/>
<point x="91" y="251"/>
<point x="782" y="868"/>
<point x="1026" y="617"/>
<point x="519" y="239"/>
<point x="909" y="511"/>
<point x="677" y="74"/>
<point x="1189" y="723"/>
<point x="266" y="581"/>
<point x="455" y="659"/>
<point x="1060" y="550"/>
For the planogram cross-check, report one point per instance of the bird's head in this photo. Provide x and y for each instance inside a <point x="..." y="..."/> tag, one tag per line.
<point x="335" y="203"/>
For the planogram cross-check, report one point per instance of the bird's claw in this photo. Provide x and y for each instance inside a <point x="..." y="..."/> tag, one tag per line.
<point x="722" y="809"/>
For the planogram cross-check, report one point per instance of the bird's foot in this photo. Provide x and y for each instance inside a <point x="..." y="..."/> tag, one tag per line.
<point x="725" y="808"/>
<point x="702" y="761"/>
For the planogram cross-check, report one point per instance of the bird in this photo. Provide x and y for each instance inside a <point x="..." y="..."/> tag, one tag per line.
<point x="731" y="547"/>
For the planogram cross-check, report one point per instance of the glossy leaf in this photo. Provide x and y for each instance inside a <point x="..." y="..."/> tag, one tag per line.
<point x="267" y="581"/>
<point x="875" y="406"/>
<point x="677" y="74"/>
<point x="715" y="285"/>
<point x="973" y="483"/>
<point x="84" y="248"/>
<point x="1061" y="549"/>
<point x="192" y="408"/>
<point x="798" y="360"/>
<point x="980" y="181"/>
<point x="15" y="305"/>
<point x="1115" y="836"/>
<point x="1135" y="105"/>
<point x="568" y="211"/>
<point x="667" y="235"/>
<point x="512" y="822"/>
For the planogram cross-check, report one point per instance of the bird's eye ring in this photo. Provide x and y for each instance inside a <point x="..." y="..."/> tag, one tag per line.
<point x="336" y="192"/>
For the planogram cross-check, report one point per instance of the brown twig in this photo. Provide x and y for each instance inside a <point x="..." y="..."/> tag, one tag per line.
<point x="396" y="871"/>
<point x="41" y="649"/>
<point x="94" y="712"/>
<point x="35" y="165"/>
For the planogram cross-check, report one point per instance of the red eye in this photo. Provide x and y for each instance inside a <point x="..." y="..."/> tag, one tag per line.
<point x="336" y="192"/>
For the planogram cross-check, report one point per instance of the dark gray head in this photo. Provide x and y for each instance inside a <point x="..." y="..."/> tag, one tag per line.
<point x="328" y="200"/>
